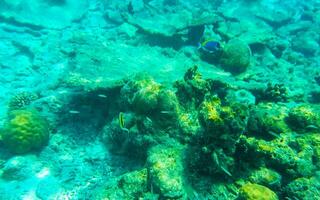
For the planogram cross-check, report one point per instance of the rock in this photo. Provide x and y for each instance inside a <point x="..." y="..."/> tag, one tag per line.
<point x="166" y="171"/>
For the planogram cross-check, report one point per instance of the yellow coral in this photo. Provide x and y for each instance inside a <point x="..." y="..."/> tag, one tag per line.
<point x="251" y="191"/>
<point x="25" y="130"/>
<point x="209" y="108"/>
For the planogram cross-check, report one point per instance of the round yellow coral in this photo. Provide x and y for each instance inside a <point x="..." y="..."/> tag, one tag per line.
<point x="25" y="130"/>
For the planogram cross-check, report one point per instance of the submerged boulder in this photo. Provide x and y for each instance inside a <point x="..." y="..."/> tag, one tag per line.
<point x="166" y="171"/>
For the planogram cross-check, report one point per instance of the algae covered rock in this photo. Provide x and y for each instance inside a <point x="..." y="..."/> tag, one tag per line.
<point x="210" y="114"/>
<point x="189" y="124"/>
<point x="251" y="191"/>
<point x="132" y="185"/>
<point x="141" y="93"/>
<point x="166" y="171"/>
<point x="266" y="177"/>
<point x="283" y="154"/>
<point x="25" y="130"/>
<point x="303" y="188"/>
<point x="192" y="89"/>
<point x="235" y="56"/>
<point x="303" y="117"/>
<point x="267" y="120"/>
<point x="220" y="119"/>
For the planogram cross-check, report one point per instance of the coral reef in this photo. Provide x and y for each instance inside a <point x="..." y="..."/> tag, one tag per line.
<point x="133" y="122"/>
<point x="25" y="130"/>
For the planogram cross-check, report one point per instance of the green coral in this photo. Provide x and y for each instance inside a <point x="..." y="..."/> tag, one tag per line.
<point x="236" y="56"/>
<point x="303" y="117"/>
<point x="25" y="130"/>
<point x="251" y="191"/>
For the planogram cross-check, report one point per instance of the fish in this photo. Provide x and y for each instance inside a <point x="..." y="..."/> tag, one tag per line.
<point x="166" y="112"/>
<point x="102" y="96"/>
<point x="209" y="46"/>
<point x="74" y="112"/>
<point x="312" y="127"/>
<point x="273" y="134"/>
<point x="215" y="158"/>
<point x="121" y="120"/>
<point x="149" y="120"/>
<point x="225" y="171"/>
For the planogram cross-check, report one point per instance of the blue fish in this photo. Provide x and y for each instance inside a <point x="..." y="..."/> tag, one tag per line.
<point x="209" y="46"/>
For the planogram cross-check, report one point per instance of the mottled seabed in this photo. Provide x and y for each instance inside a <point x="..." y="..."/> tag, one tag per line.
<point x="159" y="99"/>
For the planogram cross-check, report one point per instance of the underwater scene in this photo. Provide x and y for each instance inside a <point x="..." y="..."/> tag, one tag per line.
<point x="159" y="100"/>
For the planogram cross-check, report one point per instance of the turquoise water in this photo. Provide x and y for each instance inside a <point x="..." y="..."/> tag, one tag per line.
<point x="159" y="99"/>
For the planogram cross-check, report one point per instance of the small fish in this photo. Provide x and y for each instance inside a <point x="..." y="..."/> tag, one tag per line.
<point x="149" y="120"/>
<point x="215" y="158"/>
<point x="312" y="127"/>
<point x="121" y="120"/>
<point x="226" y="171"/>
<point x="74" y="112"/>
<point x="166" y="112"/>
<point x="209" y="46"/>
<point x="274" y="134"/>
<point x="122" y="123"/>
<point x="102" y="96"/>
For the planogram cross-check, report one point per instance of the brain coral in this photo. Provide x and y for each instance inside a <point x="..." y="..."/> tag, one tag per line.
<point x="236" y="56"/>
<point x="25" y="130"/>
